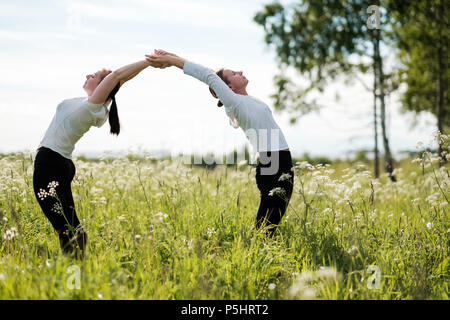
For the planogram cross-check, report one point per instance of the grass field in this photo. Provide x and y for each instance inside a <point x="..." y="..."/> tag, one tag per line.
<point x="164" y="230"/>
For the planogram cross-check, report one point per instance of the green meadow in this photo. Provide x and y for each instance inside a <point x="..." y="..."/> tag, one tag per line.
<point x="162" y="229"/>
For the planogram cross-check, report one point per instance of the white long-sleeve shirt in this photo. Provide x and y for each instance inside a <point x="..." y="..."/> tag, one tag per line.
<point x="250" y="114"/>
<point x="72" y="120"/>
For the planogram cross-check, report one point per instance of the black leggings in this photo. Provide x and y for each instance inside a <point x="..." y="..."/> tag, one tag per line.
<point x="271" y="166"/>
<point x="51" y="168"/>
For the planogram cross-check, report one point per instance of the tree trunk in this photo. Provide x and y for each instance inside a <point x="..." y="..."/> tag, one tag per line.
<point x="375" y="115"/>
<point x="440" y="109"/>
<point x="440" y="93"/>
<point x="388" y="161"/>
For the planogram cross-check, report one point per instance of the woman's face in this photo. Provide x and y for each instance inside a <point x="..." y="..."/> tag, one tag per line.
<point x="236" y="80"/>
<point x="92" y="81"/>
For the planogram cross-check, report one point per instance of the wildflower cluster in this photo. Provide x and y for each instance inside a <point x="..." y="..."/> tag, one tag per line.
<point x="10" y="234"/>
<point x="42" y="194"/>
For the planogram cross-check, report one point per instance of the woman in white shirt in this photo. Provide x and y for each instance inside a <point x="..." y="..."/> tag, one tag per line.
<point x="273" y="172"/>
<point x="53" y="167"/>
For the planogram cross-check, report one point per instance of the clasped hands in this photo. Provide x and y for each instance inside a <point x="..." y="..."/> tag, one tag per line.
<point x="160" y="59"/>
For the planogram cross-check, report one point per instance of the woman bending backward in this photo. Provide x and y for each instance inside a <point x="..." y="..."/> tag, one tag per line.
<point x="273" y="172"/>
<point x="53" y="167"/>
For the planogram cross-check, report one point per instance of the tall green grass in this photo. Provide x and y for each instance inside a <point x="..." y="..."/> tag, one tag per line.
<point x="164" y="230"/>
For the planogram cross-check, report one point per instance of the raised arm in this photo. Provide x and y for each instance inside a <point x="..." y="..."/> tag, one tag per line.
<point x="121" y="75"/>
<point x="208" y="76"/>
<point x="129" y="78"/>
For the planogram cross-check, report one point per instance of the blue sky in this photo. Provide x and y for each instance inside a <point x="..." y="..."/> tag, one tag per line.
<point x="47" y="48"/>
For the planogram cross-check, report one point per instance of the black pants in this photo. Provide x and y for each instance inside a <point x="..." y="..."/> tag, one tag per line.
<point x="271" y="166"/>
<point x="51" y="168"/>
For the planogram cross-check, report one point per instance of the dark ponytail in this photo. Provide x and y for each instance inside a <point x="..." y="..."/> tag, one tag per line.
<point x="221" y="76"/>
<point x="219" y="104"/>
<point x="113" y="114"/>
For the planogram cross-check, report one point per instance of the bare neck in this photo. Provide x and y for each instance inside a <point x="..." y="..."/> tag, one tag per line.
<point x="242" y="91"/>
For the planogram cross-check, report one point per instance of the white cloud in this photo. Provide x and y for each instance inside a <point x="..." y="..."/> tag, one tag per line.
<point x="208" y="15"/>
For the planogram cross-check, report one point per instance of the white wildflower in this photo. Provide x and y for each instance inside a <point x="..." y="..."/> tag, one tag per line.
<point x="306" y="165"/>
<point x="53" y="184"/>
<point x="211" y="232"/>
<point x="432" y="199"/>
<point x="322" y="178"/>
<point x="161" y="215"/>
<point x="57" y="208"/>
<point x="188" y="243"/>
<point x="356" y="185"/>
<point x="430" y="225"/>
<point x="42" y="194"/>
<point x="272" y="286"/>
<point x="10" y="233"/>
<point x="352" y="249"/>
<point x="242" y="163"/>
<point x="277" y="191"/>
<point x="284" y="176"/>
<point x="52" y="192"/>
